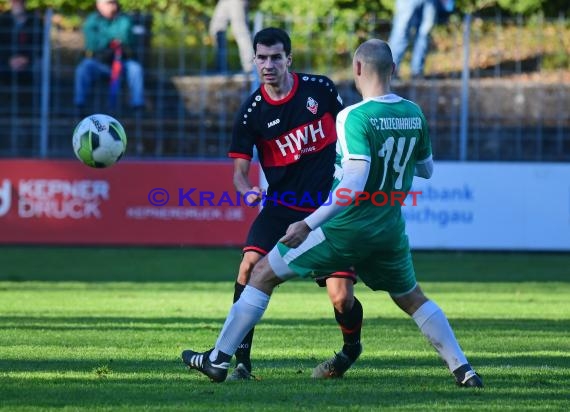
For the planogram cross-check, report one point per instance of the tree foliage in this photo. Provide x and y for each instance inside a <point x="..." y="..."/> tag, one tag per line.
<point x="331" y="27"/>
<point x="383" y="8"/>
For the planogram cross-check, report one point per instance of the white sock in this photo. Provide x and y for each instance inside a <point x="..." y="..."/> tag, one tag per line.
<point x="244" y="315"/>
<point x="434" y="325"/>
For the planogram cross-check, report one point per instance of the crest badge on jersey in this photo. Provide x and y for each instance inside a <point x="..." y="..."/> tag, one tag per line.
<point x="312" y="105"/>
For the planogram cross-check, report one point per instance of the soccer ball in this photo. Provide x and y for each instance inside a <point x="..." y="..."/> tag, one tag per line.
<point x="99" y="140"/>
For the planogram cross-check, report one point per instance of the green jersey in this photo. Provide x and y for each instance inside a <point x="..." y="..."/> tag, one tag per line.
<point x="391" y="133"/>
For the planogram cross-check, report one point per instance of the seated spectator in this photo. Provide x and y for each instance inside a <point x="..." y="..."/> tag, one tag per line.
<point x="20" y="43"/>
<point x="108" y="52"/>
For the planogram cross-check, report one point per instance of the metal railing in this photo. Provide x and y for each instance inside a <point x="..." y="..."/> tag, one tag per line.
<point x="486" y="97"/>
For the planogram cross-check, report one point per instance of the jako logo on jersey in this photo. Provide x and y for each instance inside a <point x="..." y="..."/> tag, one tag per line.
<point x="273" y="123"/>
<point x="312" y="105"/>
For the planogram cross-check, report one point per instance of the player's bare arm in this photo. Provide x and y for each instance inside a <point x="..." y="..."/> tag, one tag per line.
<point x="242" y="183"/>
<point x="355" y="174"/>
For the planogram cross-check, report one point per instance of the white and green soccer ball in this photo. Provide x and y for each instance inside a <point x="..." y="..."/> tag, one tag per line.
<point x="99" y="141"/>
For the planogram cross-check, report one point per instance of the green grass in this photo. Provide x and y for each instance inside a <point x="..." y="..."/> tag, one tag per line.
<point x="102" y="329"/>
<point x="184" y="264"/>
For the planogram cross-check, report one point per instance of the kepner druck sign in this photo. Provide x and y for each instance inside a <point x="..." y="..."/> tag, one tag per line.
<point x="133" y="203"/>
<point x="469" y="206"/>
<point x="486" y="206"/>
<point x="54" y="198"/>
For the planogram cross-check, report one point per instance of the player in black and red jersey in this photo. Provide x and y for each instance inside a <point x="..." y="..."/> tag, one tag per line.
<point x="290" y="119"/>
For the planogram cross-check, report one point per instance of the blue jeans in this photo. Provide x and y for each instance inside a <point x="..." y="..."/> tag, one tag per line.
<point x="90" y="69"/>
<point x="410" y="14"/>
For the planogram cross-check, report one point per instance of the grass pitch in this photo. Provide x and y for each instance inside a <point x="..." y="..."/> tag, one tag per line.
<point x="102" y="329"/>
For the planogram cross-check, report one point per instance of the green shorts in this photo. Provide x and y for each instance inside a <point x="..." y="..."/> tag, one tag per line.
<point x="382" y="265"/>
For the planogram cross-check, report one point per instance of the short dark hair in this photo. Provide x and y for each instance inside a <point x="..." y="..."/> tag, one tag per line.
<point x="271" y="36"/>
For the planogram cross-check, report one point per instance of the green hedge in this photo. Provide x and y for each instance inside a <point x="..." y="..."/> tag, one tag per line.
<point x="308" y="22"/>
<point x="318" y="7"/>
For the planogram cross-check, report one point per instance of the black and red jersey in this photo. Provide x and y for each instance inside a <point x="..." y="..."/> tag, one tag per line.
<point x="295" y="139"/>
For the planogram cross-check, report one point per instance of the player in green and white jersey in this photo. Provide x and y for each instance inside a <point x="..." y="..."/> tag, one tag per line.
<point x="386" y="135"/>
<point x="382" y="143"/>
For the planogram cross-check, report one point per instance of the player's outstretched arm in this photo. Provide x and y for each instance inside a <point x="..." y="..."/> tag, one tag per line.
<point x="242" y="184"/>
<point x="424" y="168"/>
<point x="355" y="174"/>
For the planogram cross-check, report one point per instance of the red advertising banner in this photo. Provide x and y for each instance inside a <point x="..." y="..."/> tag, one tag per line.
<point x="131" y="203"/>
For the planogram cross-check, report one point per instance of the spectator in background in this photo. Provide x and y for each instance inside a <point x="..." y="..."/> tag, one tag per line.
<point x="234" y="13"/>
<point x="417" y="18"/>
<point x="20" y="43"/>
<point x="108" y="52"/>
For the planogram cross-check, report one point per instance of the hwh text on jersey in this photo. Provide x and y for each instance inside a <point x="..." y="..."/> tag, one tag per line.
<point x="298" y="140"/>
